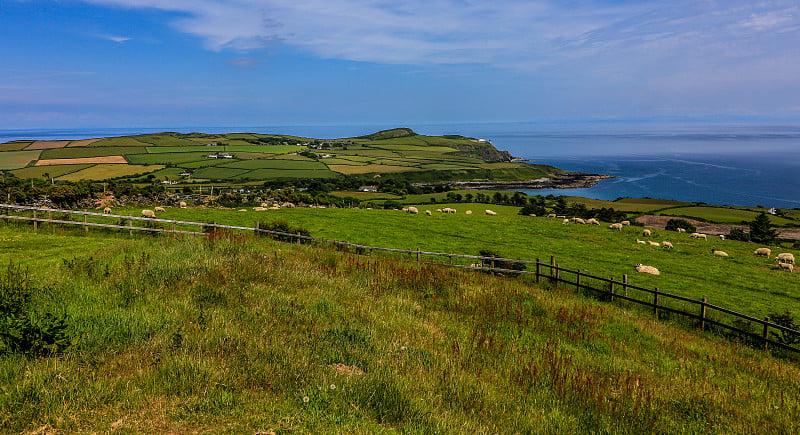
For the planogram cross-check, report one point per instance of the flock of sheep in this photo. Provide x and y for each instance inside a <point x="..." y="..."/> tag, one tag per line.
<point x="446" y="210"/>
<point x="785" y="260"/>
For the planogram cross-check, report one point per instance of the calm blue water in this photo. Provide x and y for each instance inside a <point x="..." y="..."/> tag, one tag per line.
<point x="716" y="164"/>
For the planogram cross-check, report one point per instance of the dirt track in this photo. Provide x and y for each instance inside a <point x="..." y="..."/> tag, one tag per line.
<point x="660" y="222"/>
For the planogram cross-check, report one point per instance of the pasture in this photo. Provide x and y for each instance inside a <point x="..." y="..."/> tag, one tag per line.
<point x="80" y="152"/>
<point x="109" y="171"/>
<point x="17" y="159"/>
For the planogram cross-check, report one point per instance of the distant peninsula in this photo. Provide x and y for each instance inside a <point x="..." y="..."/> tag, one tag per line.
<point x="176" y="159"/>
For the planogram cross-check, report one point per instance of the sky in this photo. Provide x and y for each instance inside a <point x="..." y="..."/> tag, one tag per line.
<point x="174" y="63"/>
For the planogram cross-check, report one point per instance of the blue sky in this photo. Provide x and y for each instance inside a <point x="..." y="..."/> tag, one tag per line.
<point x="173" y="63"/>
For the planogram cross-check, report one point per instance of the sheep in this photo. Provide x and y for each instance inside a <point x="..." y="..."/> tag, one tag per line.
<point x="404" y="209"/>
<point x="785" y="257"/>
<point x="578" y="220"/>
<point x="413" y="210"/>
<point x="641" y="242"/>
<point x="561" y="217"/>
<point x="722" y="236"/>
<point x="786" y="266"/>
<point x="264" y="204"/>
<point x="288" y="205"/>
<point x="763" y="251"/>
<point x="107" y="210"/>
<point x="652" y="243"/>
<point x="449" y="210"/>
<point x="490" y="212"/>
<point x="615" y="227"/>
<point x="468" y="212"/>
<point x="532" y="215"/>
<point x="260" y="209"/>
<point x="159" y="209"/>
<point x="438" y="210"/>
<point x="666" y="244"/>
<point x="680" y="230"/>
<point x="428" y="212"/>
<point x="646" y="269"/>
<point x="592" y="221"/>
<point x="182" y="204"/>
<point x="565" y="221"/>
<point x="720" y="253"/>
<point x="148" y="213"/>
<point x="626" y="223"/>
<point x="242" y="209"/>
<point x="698" y="236"/>
<point x="551" y="215"/>
<point x="646" y="233"/>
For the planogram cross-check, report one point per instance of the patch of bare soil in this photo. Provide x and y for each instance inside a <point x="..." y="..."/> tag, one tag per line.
<point x="82" y="160"/>
<point x="47" y="144"/>
<point x="660" y="223"/>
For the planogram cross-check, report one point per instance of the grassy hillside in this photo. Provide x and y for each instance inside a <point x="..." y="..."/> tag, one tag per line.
<point x="423" y="158"/>
<point x="236" y="334"/>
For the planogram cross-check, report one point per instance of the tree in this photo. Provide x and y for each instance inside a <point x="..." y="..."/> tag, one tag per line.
<point x="674" y="224"/>
<point x="760" y="230"/>
<point x="560" y="206"/>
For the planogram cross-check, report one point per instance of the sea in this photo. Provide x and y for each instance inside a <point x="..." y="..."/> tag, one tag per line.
<point x="726" y="164"/>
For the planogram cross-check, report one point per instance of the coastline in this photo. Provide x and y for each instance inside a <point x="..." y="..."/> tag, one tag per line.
<point x="567" y="180"/>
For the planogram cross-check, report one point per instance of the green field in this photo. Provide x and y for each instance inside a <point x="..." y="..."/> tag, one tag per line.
<point x="170" y="140"/>
<point x="122" y="141"/>
<point x="16" y="145"/>
<point x="109" y="171"/>
<point x="164" y="158"/>
<point x="260" y="174"/>
<point x="17" y="159"/>
<point x="276" y="164"/>
<point x="723" y="215"/>
<point x="53" y="171"/>
<point x="235" y="334"/>
<point x="91" y="151"/>
<point x="215" y="172"/>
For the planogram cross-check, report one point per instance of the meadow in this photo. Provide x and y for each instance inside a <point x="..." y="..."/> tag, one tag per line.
<point x="232" y="333"/>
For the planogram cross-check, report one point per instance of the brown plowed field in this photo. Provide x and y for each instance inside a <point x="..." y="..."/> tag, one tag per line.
<point x="660" y="222"/>
<point x="47" y="144"/>
<point x="83" y="160"/>
<point x="82" y="143"/>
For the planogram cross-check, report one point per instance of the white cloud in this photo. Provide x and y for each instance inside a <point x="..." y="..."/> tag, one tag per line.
<point x="117" y="39"/>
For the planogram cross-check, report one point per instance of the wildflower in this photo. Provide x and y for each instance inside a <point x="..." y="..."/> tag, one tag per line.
<point x="305" y="399"/>
<point x="333" y="386"/>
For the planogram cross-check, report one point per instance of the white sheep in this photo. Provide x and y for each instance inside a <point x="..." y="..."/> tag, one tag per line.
<point x="785" y="257"/>
<point x="646" y="233"/>
<point x="551" y="215"/>
<point x="722" y="236"/>
<point x="666" y="244"/>
<point x="107" y="210"/>
<point x="449" y="210"/>
<point x="720" y="253"/>
<point x="626" y="223"/>
<point x="182" y="204"/>
<point x="592" y="221"/>
<point x="404" y="209"/>
<point x="641" y="241"/>
<point x="468" y="212"/>
<point x="148" y="213"/>
<point x="561" y="217"/>
<point x="578" y="220"/>
<point x="160" y="209"/>
<point x="264" y="204"/>
<point x="242" y="209"/>
<point x="616" y="226"/>
<point x="698" y="236"/>
<point x="260" y="208"/>
<point x="490" y="212"/>
<point x="680" y="230"/>
<point x="646" y="269"/>
<point x="652" y="243"/>
<point x="763" y="251"/>
<point x="438" y="210"/>
<point x="428" y="212"/>
<point x="786" y="266"/>
<point x="564" y="221"/>
<point x="413" y="210"/>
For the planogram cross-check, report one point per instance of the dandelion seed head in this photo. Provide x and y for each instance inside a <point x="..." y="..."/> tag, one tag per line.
<point x="305" y="399"/>
<point x="333" y="386"/>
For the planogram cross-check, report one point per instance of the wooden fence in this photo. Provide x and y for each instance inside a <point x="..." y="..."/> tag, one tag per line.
<point x="705" y="315"/>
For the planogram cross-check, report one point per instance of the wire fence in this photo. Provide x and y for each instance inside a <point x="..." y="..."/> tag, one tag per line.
<point x="704" y="315"/>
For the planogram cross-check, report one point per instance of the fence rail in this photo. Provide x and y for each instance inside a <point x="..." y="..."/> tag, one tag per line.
<point x="543" y="270"/>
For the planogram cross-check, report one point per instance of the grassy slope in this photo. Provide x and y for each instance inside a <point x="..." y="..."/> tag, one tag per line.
<point x="233" y="334"/>
<point x="743" y="281"/>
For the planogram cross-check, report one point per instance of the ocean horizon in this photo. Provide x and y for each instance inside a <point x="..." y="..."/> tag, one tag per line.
<point x="726" y="165"/>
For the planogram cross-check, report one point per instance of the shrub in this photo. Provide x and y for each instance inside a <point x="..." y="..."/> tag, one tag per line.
<point x="283" y="227"/>
<point x="738" y="234"/>
<point x="786" y="320"/>
<point x="760" y="230"/>
<point x="674" y="224"/>
<point x="530" y="209"/>
<point x="499" y="264"/>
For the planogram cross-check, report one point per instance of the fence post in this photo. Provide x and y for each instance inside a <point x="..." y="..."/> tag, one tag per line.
<point x="552" y="266"/>
<point x="558" y="275"/>
<point x="298" y="237"/>
<point x="703" y="312"/>
<point x="612" y="289"/>
<point x="86" y="223"/>
<point x="655" y="302"/>
<point x="450" y="257"/>
<point x="538" y="270"/>
<point x="418" y="250"/>
<point x="35" y="222"/>
<point x="50" y="218"/>
<point x="130" y="227"/>
<point x="625" y="285"/>
<point x="766" y="329"/>
<point x="256" y="228"/>
<point x="578" y="280"/>
<point x="173" y="227"/>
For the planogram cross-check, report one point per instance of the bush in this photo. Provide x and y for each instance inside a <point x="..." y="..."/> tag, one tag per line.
<point x="738" y="234"/>
<point x="786" y="320"/>
<point x="499" y="264"/>
<point x="674" y="224"/>
<point x="23" y="329"/>
<point x="283" y="227"/>
<point x="530" y="209"/>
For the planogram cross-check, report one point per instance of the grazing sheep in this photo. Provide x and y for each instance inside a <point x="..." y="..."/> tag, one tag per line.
<point x="561" y="217"/>
<point x="107" y="210"/>
<point x="551" y="215"/>
<point x="413" y="210"/>
<point x="449" y="210"/>
<point x="592" y="221"/>
<point x="565" y="221"/>
<point x="720" y="253"/>
<point x="159" y="208"/>
<point x="182" y="204"/>
<point x="438" y="210"/>
<point x="532" y="215"/>
<point x="260" y="208"/>
<point x="242" y="209"/>
<point x="641" y="242"/>
<point x="699" y="236"/>
<point x="578" y="220"/>
<point x="646" y="269"/>
<point x="404" y="209"/>
<point x="652" y="243"/>
<point x="763" y="251"/>
<point x="148" y="213"/>
<point x="626" y="223"/>
<point x="646" y="233"/>
<point x="616" y="226"/>
<point x="264" y="204"/>
<point x="428" y="212"/>
<point x="490" y="212"/>
<point x="722" y="236"/>
<point x="666" y="244"/>
<point x="786" y="266"/>
<point x="468" y="212"/>
<point x="785" y="257"/>
<point x="680" y="230"/>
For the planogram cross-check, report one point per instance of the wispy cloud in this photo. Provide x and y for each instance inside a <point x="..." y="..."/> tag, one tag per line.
<point x="117" y="39"/>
